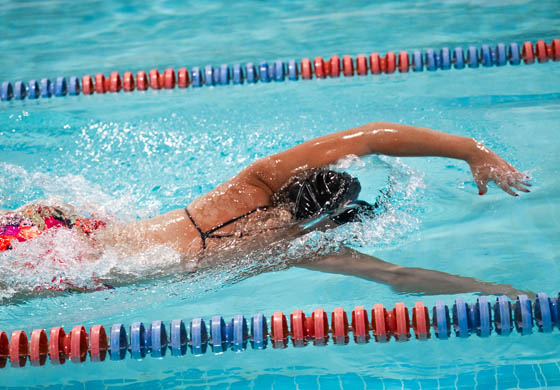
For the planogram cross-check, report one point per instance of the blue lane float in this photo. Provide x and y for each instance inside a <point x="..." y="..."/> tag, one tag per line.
<point x="178" y="337"/>
<point x="240" y="333"/>
<point x="461" y="318"/>
<point x="293" y="73"/>
<point x="138" y="340"/>
<point x="33" y="90"/>
<point x="119" y="342"/>
<point x="236" y="334"/>
<point x="543" y="313"/>
<point x="265" y="72"/>
<point x="209" y="75"/>
<point x="445" y="58"/>
<point x="157" y="339"/>
<point x="198" y="336"/>
<point x="442" y="325"/>
<point x="417" y="62"/>
<point x="514" y="54"/>
<point x="251" y="73"/>
<point x="74" y="86"/>
<point x="486" y="56"/>
<point x="46" y="88"/>
<point x="6" y="91"/>
<point x="480" y="317"/>
<point x="272" y="71"/>
<point x="502" y="316"/>
<point x="472" y="57"/>
<point x="523" y="315"/>
<point x="20" y="90"/>
<point x="196" y="77"/>
<point x="458" y="58"/>
<point x="61" y="87"/>
<point x="501" y="55"/>
<point x="430" y="60"/>
<point x="224" y="74"/>
<point x="238" y="74"/>
<point x="259" y="331"/>
<point x="218" y="335"/>
<point x="279" y="71"/>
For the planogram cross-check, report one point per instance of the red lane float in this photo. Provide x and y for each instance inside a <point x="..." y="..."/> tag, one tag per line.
<point x="421" y="321"/>
<point x="79" y="344"/>
<point x="390" y="62"/>
<point x="339" y="324"/>
<point x="401" y="328"/>
<point x="319" y="66"/>
<point x="375" y="63"/>
<point x="381" y="331"/>
<point x="404" y="62"/>
<point x="100" y="83"/>
<point x="528" y="53"/>
<point x="183" y="78"/>
<point x="57" y="345"/>
<point x="335" y="66"/>
<point x="327" y="66"/>
<point x="360" y="325"/>
<point x="99" y="343"/>
<point x="154" y="79"/>
<point x="320" y="327"/>
<point x="115" y="84"/>
<point x="4" y="349"/>
<point x="554" y="50"/>
<point x="306" y="71"/>
<point x="541" y="51"/>
<point x="38" y="348"/>
<point x="279" y="330"/>
<point x="361" y="65"/>
<point x="309" y="327"/>
<point x="169" y="78"/>
<point x="141" y="81"/>
<point x="87" y="85"/>
<point x="19" y="348"/>
<point x="298" y="328"/>
<point x="347" y="66"/>
<point x="128" y="82"/>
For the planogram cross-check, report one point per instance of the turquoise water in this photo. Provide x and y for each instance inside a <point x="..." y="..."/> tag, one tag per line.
<point x="142" y="154"/>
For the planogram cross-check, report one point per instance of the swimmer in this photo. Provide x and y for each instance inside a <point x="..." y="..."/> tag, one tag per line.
<point x="285" y="195"/>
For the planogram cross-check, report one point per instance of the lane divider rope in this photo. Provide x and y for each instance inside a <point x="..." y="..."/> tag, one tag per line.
<point x="278" y="71"/>
<point x="379" y="324"/>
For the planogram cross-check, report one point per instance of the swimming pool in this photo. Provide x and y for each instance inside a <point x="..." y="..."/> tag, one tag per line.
<point x="145" y="153"/>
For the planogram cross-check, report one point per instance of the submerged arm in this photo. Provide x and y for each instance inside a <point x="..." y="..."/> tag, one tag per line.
<point x="403" y="279"/>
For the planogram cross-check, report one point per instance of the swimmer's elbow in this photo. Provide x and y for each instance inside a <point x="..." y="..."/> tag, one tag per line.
<point x="260" y="174"/>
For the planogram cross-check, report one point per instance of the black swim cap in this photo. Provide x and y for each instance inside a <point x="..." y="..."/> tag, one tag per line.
<point x="322" y="192"/>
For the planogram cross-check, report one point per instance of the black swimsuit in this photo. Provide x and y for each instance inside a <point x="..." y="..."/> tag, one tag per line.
<point x="208" y="233"/>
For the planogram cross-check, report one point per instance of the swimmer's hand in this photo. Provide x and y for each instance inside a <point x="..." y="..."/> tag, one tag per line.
<point x="487" y="166"/>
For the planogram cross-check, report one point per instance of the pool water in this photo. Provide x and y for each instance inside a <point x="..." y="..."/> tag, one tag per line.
<point x="128" y="156"/>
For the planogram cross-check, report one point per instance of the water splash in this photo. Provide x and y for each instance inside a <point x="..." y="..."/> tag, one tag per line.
<point x="63" y="258"/>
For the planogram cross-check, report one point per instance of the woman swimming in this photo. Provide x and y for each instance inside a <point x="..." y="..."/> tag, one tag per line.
<point x="271" y="198"/>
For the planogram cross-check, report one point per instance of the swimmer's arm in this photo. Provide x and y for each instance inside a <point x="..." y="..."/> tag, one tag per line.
<point x="403" y="279"/>
<point x="389" y="139"/>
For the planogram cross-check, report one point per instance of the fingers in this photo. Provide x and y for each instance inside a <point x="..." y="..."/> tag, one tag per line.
<point x="481" y="182"/>
<point x="506" y="188"/>
<point x="520" y="185"/>
<point x="504" y="175"/>
<point x="482" y="187"/>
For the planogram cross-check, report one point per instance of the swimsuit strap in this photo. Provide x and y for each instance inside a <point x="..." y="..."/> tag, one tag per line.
<point x="208" y="233"/>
